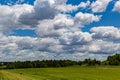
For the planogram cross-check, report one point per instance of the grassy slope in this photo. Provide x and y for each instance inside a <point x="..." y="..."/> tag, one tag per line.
<point x="5" y="75"/>
<point x="69" y="73"/>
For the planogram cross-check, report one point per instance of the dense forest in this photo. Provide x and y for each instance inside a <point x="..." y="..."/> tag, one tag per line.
<point x="111" y="60"/>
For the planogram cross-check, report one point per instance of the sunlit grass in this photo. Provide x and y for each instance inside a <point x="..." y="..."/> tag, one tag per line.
<point x="67" y="73"/>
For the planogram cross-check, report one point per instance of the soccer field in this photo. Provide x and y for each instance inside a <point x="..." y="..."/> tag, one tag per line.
<point x="67" y="73"/>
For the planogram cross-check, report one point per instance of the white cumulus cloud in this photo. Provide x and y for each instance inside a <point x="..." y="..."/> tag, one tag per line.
<point x="106" y="33"/>
<point x="117" y="6"/>
<point x="59" y="34"/>
<point x="100" y="5"/>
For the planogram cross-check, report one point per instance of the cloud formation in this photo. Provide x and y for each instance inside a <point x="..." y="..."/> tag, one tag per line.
<point x="106" y="33"/>
<point x="84" y="4"/>
<point x="100" y="5"/>
<point x="59" y="34"/>
<point x="86" y="18"/>
<point x="117" y="6"/>
<point x="9" y="17"/>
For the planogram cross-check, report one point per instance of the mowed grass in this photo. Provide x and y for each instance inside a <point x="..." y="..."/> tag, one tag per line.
<point x="67" y="73"/>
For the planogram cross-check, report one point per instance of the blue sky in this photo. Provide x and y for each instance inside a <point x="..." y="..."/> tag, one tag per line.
<point x="70" y="29"/>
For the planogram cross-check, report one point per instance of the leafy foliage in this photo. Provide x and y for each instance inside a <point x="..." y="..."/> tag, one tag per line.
<point x="111" y="60"/>
<point x="114" y="60"/>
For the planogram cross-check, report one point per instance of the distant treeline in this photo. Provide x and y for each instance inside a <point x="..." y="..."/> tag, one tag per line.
<point x="111" y="60"/>
<point x="49" y="63"/>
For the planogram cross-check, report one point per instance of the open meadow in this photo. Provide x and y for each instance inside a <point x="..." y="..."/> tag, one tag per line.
<point x="66" y="73"/>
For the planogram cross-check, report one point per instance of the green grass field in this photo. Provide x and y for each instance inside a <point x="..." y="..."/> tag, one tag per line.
<point x="67" y="73"/>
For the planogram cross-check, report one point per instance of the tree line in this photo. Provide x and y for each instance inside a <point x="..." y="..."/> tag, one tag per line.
<point x="111" y="60"/>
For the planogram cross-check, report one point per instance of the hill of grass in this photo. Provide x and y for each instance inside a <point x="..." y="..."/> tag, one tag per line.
<point x="67" y="73"/>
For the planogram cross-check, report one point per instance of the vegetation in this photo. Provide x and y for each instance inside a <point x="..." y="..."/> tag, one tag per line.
<point x="6" y="75"/>
<point x="111" y="60"/>
<point x="114" y="60"/>
<point x="63" y="73"/>
<point x="68" y="70"/>
<point x="50" y="63"/>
